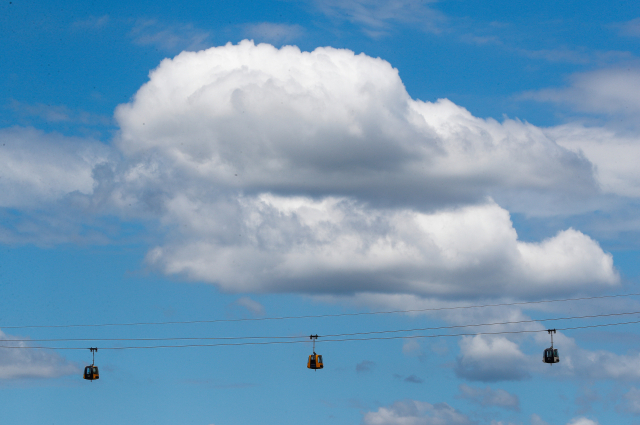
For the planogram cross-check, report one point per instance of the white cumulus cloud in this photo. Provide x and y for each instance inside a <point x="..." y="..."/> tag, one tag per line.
<point x="274" y="33"/>
<point x="37" y="168"/>
<point x="25" y="362"/>
<point x="614" y="155"/>
<point x="608" y="91"/>
<point x="280" y="170"/>
<point x="327" y="122"/>
<point x="491" y="359"/>
<point x="490" y="397"/>
<point x="411" y="412"/>
<point x="582" y="421"/>
<point x="537" y="420"/>
<point x="335" y="245"/>
<point x="631" y="402"/>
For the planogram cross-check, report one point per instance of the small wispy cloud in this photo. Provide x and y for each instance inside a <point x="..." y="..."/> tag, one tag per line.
<point x="92" y="23"/>
<point x="416" y="412"/>
<point x="607" y="91"/>
<point x="489" y="397"/>
<point x="59" y="114"/>
<point x="213" y="384"/>
<point x="273" y="33"/>
<point x="365" y="366"/>
<point x="251" y="306"/>
<point x="629" y="29"/>
<point x="172" y="38"/>
<point x="440" y="347"/>
<point x="583" y="421"/>
<point x="537" y="420"/>
<point x="631" y="402"/>
<point x="559" y="55"/>
<point x="377" y="17"/>
<point x="586" y="400"/>
<point x="506" y="37"/>
<point x="411" y="347"/>
<point x="575" y="56"/>
<point x="413" y="379"/>
<point x="481" y="40"/>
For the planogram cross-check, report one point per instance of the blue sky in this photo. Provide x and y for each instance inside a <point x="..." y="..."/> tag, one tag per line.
<point x="167" y="162"/>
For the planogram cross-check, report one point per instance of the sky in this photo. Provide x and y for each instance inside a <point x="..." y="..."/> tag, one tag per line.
<point x="196" y="188"/>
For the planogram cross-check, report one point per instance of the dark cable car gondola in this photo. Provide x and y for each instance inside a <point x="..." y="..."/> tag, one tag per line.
<point x="550" y="355"/>
<point x="91" y="372"/>
<point x="315" y="360"/>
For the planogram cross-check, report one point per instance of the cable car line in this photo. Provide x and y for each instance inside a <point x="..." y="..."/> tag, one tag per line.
<point x="324" y="340"/>
<point x="319" y="315"/>
<point x="486" y="324"/>
<point x="327" y="335"/>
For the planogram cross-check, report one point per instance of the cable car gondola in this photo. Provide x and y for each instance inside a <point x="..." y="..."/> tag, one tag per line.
<point x="550" y="355"/>
<point x="91" y="372"/>
<point x="315" y="360"/>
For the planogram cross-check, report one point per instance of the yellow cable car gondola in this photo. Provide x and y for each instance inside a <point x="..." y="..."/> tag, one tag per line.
<point x="315" y="360"/>
<point x="91" y="372"/>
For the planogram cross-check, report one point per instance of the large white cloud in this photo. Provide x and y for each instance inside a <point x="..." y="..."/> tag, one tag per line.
<point x="335" y="245"/>
<point x="282" y="170"/>
<point x="327" y="122"/>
